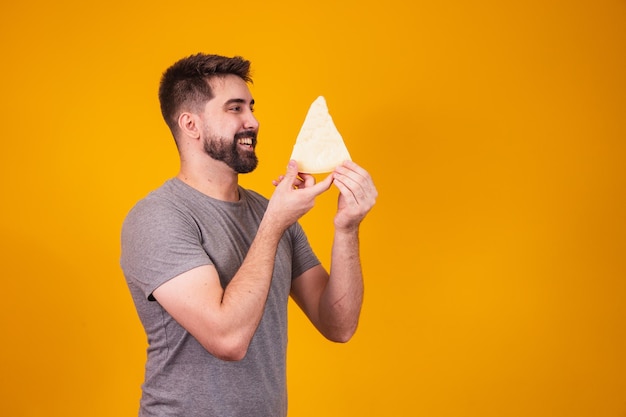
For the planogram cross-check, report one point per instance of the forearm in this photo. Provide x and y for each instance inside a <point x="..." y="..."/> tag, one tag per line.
<point x="244" y="298"/>
<point x="333" y="301"/>
<point x="341" y="301"/>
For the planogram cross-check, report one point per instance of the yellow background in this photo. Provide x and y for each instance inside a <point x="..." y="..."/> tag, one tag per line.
<point x="494" y="259"/>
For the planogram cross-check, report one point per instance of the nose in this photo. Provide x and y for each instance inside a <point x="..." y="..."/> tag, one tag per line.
<point x="251" y="122"/>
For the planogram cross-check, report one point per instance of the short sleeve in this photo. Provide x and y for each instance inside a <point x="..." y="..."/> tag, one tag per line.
<point x="159" y="242"/>
<point x="303" y="256"/>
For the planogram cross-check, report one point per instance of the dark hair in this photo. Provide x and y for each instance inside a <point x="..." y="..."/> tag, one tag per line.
<point x="185" y="85"/>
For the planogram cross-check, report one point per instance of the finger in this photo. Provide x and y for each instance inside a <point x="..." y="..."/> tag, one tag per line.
<point x="345" y="191"/>
<point x="291" y="176"/>
<point x="298" y="183"/>
<point x="320" y="187"/>
<point x="307" y="179"/>
<point x="280" y="178"/>
<point x="360" y="192"/>
<point x="349" y="182"/>
<point x="355" y="176"/>
<point x="292" y="170"/>
<point x="326" y="182"/>
<point x="353" y="166"/>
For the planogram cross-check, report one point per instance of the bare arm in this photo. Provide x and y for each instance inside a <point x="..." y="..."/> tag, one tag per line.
<point x="224" y="320"/>
<point x="333" y="302"/>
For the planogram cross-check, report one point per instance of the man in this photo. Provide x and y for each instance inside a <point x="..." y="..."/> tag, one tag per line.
<point x="211" y="265"/>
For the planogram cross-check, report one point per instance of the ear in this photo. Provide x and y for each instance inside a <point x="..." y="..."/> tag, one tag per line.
<point x="189" y="125"/>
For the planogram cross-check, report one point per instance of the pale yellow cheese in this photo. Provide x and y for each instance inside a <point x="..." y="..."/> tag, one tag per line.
<point x="319" y="147"/>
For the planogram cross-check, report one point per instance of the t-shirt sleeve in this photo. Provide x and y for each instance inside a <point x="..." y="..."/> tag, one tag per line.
<point x="303" y="256"/>
<point x="159" y="243"/>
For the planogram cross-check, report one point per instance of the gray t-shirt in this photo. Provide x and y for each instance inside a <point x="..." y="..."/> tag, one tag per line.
<point x="174" y="229"/>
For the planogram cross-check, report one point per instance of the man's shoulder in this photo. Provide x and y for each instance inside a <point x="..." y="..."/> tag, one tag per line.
<point x="157" y="202"/>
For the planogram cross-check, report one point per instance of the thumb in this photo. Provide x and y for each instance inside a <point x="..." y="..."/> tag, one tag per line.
<point x="292" y="172"/>
<point x="291" y="176"/>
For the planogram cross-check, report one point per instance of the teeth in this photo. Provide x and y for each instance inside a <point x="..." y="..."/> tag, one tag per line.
<point x="245" y="141"/>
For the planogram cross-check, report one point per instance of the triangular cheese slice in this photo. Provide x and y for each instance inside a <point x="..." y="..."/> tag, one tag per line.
<point x="319" y="147"/>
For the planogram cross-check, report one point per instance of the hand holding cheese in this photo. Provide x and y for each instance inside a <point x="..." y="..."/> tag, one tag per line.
<point x="319" y="147"/>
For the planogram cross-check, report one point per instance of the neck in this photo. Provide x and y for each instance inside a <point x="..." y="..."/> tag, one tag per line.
<point x="215" y="180"/>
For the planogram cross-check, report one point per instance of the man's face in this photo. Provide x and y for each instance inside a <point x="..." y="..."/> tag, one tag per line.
<point x="230" y="128"/>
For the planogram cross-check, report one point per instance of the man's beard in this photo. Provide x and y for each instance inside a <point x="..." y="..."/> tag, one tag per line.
<point x="219" y="149"/>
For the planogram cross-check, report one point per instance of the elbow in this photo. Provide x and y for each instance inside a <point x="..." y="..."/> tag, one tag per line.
<point x="341" y="335"/>
<point x="341" y="339"/>
<point x="230" y="350"/>
<point x="234" y="355"/>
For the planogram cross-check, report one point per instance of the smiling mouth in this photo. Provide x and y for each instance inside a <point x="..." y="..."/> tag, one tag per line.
<point x="247" y="142"/>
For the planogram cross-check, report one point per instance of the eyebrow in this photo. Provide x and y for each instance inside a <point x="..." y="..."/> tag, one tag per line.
<point x="237" y="101"/>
